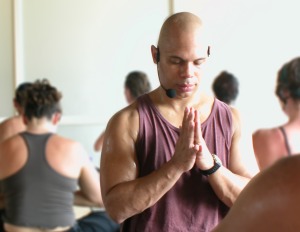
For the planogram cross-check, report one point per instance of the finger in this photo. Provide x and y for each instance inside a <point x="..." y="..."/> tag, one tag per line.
<point x="183" y="127"/>
<point x="198" y="132"/>
<point x="184" y="123"/>
<point x="191" y="125"/>
<point x="187" y="131"/>
<point x="198" y="148"/>
<point x="197" y="117"/>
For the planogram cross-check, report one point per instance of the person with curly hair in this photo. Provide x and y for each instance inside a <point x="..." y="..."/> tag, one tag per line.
<point x="43" y="174"/>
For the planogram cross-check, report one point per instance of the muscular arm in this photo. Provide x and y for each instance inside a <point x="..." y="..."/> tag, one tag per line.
<point x="228" y="183"/>
<point x="123" y="193"/>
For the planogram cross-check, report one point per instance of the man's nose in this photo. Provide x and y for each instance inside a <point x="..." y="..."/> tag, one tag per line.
<point x="187" y="69"/>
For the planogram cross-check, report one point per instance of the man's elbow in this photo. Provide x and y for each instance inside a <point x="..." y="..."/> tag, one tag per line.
<point x="115" y="215"/>
<point x="116" y="211"/>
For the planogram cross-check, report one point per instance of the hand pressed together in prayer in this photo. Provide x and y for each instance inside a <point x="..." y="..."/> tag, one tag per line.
<point x="191" y="148"/>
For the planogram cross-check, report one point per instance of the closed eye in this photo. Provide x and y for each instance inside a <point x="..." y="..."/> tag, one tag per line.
<point x="199" y="61"/>
<point x="176" y="60"/>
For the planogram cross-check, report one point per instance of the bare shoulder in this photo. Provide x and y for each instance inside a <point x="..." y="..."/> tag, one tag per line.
<point x="118" y="158"/>
<point x="236" y="116"/>
<point x="65" y="151"/>
<point x="66" y="156"/>
<point x="270" y="202"/>
<point x="268" y="146"/>
<point x="264" y="139"/>
<point x="10" y="127"/>
<point x="236" y="121"/>
<point x="125" y="121"/>
<point x="281" y="177"/>
<point x="266" y="134"/>
<point x="65" y="145"/>
<point x="11" y="145"/>
<point x="13" y="155"/>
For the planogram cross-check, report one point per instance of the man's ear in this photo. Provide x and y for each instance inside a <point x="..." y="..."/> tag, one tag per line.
<point x="208" y="51"/>
<point x="155" y="54"/>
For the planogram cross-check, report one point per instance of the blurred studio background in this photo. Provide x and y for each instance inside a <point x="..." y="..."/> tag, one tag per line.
<point x="87" y="47"/>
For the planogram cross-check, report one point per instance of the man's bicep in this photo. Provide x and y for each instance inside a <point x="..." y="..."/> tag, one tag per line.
<point x="236" y="164"/>
<point x="118" y="158"/>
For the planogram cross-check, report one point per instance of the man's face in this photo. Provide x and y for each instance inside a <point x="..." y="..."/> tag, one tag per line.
<point x="181" y="63"/>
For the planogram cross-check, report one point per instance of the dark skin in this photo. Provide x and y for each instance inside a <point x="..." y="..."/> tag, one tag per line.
<point x="182" y="56"/>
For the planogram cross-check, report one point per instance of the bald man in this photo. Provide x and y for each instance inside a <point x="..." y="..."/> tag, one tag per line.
<point x="270" y="202"/>
<point x="170" y="161"/>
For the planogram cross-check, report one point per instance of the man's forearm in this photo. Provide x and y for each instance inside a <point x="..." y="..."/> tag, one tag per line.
<point x="132" y="197"/>
<point x="227" y="185"/>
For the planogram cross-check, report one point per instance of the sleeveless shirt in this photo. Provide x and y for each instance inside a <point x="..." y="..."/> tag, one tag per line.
<point x="191" y="204"/>
<point x="37" y="196"/>
<point x="286" y="141"/>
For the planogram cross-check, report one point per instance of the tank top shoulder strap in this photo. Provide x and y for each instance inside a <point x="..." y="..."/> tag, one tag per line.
<point x="285" y="140"/>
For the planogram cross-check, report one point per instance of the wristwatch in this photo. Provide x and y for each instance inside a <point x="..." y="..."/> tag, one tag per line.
<point x="217" y="165"/>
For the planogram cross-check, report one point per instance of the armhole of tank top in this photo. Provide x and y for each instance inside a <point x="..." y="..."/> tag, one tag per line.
<point x="230" y="117"/>
<point x="286" y="142"/>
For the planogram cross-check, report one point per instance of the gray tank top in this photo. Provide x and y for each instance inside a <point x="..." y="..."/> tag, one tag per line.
<point x="37" y="196"/>
<point x="191" y="204"/>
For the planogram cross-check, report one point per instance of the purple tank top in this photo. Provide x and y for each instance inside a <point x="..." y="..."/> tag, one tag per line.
<point x="191" y="204"/>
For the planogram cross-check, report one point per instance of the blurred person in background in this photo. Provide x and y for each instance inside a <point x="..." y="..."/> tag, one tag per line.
<point x="226" y="87"/>
<point x="43" y="174"/>
<point x="136" y="84"/>
<point x="271" y="144"/>
<point x="15" y="124"/>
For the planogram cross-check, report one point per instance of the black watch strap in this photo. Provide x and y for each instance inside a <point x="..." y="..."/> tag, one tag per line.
<point x="217" y="165"/>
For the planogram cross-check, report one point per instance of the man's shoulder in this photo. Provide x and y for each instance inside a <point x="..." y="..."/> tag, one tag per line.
<point x="126" y="116"/>
<point x="126" y="112"/>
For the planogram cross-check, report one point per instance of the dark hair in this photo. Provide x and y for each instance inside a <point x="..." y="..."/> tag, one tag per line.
<point x="42" y="100"/>
<point x="226" y="87"/>
<point x="138" y="84"/>
<point x="21" y="92"/>
<point x="288" y="80"/>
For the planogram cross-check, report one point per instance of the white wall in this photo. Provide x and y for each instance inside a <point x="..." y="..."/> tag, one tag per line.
<point x="251" y="39"/>
<point x="86" y="47"/>
<point x="6" y="58"/>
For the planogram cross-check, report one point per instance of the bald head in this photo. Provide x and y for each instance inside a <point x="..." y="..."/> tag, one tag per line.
<point x="177" y="25"/>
